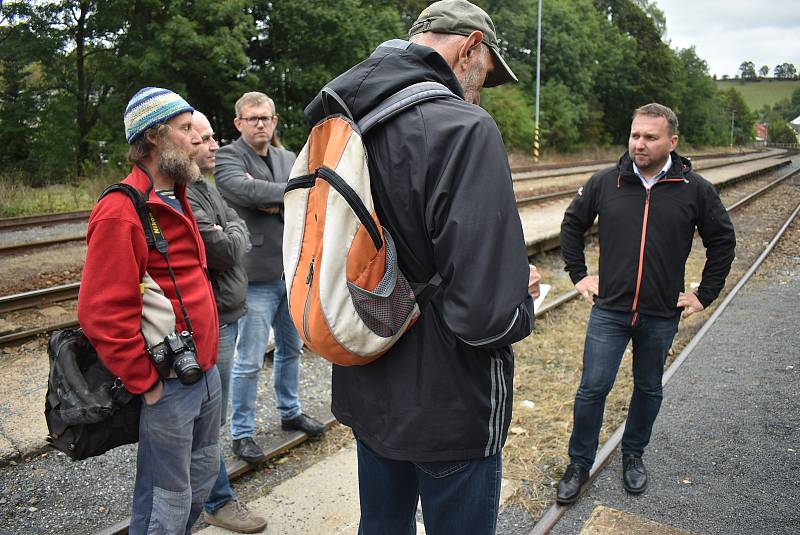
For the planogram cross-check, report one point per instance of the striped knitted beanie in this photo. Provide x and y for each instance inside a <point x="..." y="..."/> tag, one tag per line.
<point x="150" y="106"/>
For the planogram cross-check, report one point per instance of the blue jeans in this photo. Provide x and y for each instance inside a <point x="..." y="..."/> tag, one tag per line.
<point x="178" y="456"/>
<point x="227" y="345"/>
<point x="266" y="308"/>
<point x="222" y="492"/>
<point x="607" y="335"/>
<point x="457" y="497"/>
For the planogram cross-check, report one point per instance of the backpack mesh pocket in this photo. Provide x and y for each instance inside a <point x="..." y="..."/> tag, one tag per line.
<point x="385" y="309"/>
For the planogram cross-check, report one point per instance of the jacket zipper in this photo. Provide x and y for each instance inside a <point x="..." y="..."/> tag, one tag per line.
<point x="309" y="280"/>
<point x="352" y="198"/>
<point x="641" y="247"/>
<point x="641" y="257"/>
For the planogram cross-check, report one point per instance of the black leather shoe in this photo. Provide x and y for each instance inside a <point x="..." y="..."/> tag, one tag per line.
<point x="634" y="474"/>
<point x="304" y="423"/>
<point x="247" y="450"/>
<point x="569" y="488"/>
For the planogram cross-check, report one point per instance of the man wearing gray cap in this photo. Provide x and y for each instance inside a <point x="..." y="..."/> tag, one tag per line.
<point x="431" y="415"/>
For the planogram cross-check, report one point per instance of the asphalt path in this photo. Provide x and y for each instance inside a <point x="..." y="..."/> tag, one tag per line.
<point x="725" y="453"/>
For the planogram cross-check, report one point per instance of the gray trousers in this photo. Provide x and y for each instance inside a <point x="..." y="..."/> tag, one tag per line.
<point x="178" y="457"/>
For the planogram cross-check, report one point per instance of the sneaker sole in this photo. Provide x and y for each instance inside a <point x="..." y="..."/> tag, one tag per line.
<point x="632" y="490"/>
<point x="231" y="527"/>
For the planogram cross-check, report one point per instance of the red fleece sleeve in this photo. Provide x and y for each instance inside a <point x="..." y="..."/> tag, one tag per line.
<point x="110" y="302"/>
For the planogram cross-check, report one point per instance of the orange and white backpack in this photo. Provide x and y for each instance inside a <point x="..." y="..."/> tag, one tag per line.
<point x="347" y="297"/>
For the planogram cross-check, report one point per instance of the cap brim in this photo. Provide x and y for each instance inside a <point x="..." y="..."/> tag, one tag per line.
<point x="502" y="73"/>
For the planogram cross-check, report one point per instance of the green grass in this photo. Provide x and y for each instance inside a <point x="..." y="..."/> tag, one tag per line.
<point x="18" y="199"/>
<point x="758" y="93"/>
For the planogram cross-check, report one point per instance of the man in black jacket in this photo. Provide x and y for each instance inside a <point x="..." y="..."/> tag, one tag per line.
<point x="648" y="205"/>
<point x="226" y="240"/>
<point x="431" y="415"/>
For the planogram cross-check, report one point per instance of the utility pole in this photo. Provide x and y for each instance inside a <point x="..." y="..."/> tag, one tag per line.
<point x="538" y="73"/>
<point x="733" y="114"/>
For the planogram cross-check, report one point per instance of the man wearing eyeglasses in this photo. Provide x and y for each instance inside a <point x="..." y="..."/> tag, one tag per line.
<point x="251" y="173"/>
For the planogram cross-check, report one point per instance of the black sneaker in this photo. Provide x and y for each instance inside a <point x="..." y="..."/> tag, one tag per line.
<point x="634" y="474"/>
<point x="304" y="423"/>
<point x="247" y="450"/>
<point x="569" y="488"/>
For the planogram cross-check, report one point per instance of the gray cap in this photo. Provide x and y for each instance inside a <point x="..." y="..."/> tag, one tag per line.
<point x="462" y="18"/>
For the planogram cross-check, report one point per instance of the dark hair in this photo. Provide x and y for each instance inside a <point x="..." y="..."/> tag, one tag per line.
<point x="141" y="146"/>
<point x="659" y="110"/>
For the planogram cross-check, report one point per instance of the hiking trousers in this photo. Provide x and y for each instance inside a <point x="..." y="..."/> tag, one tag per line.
<point x="178" y="457"/>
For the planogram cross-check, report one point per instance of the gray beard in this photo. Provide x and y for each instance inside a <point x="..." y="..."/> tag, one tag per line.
<point x="178" y="166"/>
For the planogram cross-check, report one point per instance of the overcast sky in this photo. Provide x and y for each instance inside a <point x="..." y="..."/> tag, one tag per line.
<point x="726" y="33"/>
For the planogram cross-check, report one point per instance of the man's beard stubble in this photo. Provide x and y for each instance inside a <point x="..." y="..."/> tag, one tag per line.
<point x="178" y="165"/>
<point x="470" y="86"/>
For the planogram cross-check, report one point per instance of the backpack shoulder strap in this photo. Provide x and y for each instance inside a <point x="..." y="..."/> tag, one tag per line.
<point x="152" y="232"/>
<point x="402" y="100"/>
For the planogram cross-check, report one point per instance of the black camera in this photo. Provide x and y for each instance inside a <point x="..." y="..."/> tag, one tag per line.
<point x="177" y="352"/>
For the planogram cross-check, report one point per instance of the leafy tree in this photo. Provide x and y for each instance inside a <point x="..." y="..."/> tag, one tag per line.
<point x="699" y="109"/>
<point x="764" y="71"/>
<point x="748" y="70"/>
<point x="303" y="44"/>
<point x="743" y="119"/>
<point x="513" y="112"/>
<point x="789" y="108"/>
<point x="785" y="71"/>
<point x="778" y="131"/>
<point x="636" y="68"/>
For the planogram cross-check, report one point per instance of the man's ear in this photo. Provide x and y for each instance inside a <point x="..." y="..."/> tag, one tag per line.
<point x="151" y="138"/>
<point x="237" y="123"/>
<point x="469" y="46"/>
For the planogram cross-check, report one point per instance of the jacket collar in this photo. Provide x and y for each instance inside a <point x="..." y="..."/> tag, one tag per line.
<point x="139" y="180"/>
<point x="680" y="168"/>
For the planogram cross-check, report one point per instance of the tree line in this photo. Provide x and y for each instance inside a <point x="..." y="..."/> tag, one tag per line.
<point x="68" y="68"/>
<point x="782" y="71"/>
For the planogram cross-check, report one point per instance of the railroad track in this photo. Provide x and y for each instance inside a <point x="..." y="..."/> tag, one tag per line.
<point x="72" y="217"/>
<point x="239" y="468"/>
<point x="47" y="220"/>
<point x="568" y="192"/>
<point x="70" y="291"/>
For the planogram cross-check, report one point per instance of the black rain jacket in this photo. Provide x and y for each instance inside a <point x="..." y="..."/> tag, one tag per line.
<point x="442" y="187"/>
<point x="646" y="236"/>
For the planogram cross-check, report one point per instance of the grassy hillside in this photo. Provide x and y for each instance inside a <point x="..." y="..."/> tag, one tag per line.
<point x="756" y="94"/>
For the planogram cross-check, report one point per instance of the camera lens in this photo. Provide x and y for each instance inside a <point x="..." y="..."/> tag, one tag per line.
<point x="187" y="369"/>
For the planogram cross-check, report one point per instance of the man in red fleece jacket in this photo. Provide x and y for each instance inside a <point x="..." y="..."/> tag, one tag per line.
<point x="129" y="303"/>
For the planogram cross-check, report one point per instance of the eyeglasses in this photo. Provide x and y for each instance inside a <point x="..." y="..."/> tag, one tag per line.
<point x="253" y="121"/>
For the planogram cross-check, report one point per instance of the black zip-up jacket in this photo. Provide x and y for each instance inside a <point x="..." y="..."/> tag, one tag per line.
<point x="225" y="248"/>
<point x="646" y="236"/>
<point x="442" y="187"/>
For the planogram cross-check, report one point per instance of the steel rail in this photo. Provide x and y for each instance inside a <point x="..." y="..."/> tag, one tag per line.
<point x="44" y="220"/>
<point x="556" y="511"/>
<point x="5" y="249"/>
<point x="541" y="246"/>
<point x="576" y="169"/>
<point x="535" y="199"/>
<point x="587" y="163"/>
<point x="62" y="292"/>
<point x="58" y="218"/>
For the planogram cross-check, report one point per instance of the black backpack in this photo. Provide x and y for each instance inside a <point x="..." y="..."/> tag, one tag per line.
<point x="87" y="409"/>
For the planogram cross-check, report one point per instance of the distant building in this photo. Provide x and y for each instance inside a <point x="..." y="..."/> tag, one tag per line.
<point x="761" y="134"/>
<point x="795" y="124"/>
